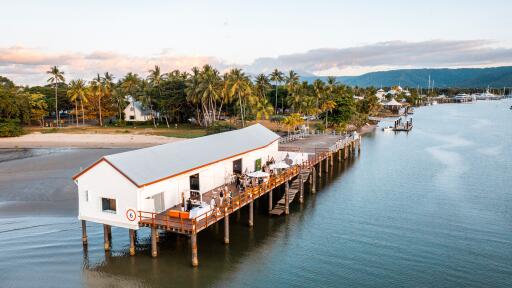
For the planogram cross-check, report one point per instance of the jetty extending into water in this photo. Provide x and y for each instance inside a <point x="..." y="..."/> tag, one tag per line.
<point x="321" y="151"/>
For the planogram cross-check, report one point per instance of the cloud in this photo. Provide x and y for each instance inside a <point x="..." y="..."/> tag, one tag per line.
<point x="28" y="65"/>
<point x="392" y="54"/>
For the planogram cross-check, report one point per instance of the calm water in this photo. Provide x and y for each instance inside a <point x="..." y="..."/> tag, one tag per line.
<point x="432" y="208"/>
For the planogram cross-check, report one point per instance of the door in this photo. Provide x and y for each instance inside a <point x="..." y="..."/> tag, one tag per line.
<point x="237" y="166"/>
<point x="159" y="202"/>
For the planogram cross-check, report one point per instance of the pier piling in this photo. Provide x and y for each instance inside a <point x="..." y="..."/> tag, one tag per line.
<point x="270" y="200"/>
<point x="301" y="189"/>
<point x="106" y="238"/>
<point x="132" y="241"/>
<point x="226" y="227"/>
<point x="251" y="211"/>
<point x="84" y="232"/>
<point x="154" y="252"/>
<point x="193" y="240"/>
<point x="313" y="180"/>
<point x="286" y="198"/>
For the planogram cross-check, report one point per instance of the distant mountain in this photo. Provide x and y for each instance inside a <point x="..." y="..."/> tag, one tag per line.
<point x="497" y="77"/>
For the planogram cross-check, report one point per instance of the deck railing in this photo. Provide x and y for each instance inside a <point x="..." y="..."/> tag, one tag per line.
<point x="182" y="223"/>
<point x="231" y="204"/>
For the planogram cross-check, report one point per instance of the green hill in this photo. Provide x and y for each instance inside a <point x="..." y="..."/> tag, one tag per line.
<point x="497" y="77"/>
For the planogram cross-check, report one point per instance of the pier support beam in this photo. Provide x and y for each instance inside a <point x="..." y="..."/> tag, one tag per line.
<point x="327" y="164"/>
<point x="154" y="252"/>
<point x="226" y="227"/>
<point x="251" y="211"/>
<point x="339" y="155"/>
<point x="84" y="232"/>
<point x="193" y="240"/>
<point x="106" y="238"/>
<point x="313" y="180"/>
<point x="286" y="198"/>
<point x="320" y="168"/>
<point x="270" y="200"/>
<point x="345" y="151"/>
<point x="332" y="159"/>
<point x="132" y="241"/>
<point x="301" y="189"/>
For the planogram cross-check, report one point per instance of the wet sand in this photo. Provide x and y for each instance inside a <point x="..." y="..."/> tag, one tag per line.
<point x="38" y="181"/>
<point x="65" y="140"/>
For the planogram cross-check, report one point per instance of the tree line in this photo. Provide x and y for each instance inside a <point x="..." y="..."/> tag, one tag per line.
<point x="203" y="96"/>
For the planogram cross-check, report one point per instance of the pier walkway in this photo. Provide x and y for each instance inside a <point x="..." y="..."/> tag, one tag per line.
<point x="322" y="148"/>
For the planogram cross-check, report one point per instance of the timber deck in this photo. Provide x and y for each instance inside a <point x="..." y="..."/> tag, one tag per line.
<point x="320" y="147"/>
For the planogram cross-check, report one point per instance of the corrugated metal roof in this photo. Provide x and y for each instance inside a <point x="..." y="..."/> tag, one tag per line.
<point x="151" y="164"/>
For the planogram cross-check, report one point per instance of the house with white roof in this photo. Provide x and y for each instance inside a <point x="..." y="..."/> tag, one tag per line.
<point x="136" y="112"/>
<point x="381" y="94"/>
<point x="113" y="189"/>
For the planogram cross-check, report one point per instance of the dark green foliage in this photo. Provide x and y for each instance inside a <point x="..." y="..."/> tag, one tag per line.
<point x="10" y="128"/>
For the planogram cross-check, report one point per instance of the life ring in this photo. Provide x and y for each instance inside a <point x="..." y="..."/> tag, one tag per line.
<point x="131" y="214"/>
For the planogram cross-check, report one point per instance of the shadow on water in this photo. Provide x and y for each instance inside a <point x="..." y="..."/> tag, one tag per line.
<point x="216" y="260"/>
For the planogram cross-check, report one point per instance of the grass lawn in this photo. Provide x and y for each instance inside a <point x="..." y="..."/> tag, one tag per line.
<point x="181" y="131"/>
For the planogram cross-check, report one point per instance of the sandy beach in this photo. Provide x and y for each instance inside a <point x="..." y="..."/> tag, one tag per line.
<point x="65" y="140"/>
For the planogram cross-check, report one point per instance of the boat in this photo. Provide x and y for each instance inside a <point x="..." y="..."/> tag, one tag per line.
<point x="388" y="128"/>
<point x="487" y="95"/>
<point x="434" y="102"/>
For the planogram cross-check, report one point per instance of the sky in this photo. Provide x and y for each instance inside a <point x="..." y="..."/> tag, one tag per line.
<point x="311" y="37"/>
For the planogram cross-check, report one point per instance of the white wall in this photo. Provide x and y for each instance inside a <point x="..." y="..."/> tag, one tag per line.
<point x="104" y="181"/>
<point x="138" y="114"/>
<point x="210" y="177"/>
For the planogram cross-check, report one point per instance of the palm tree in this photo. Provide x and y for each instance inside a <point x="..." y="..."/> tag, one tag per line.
<point x="261" y="108"/>
<point x="309" y="108"/>
<point x="77" y="91"/>
<point x="240" y="85"/>
<point x="129" y="84"/>
<point x="319" y="88"/>
<point x="327" y="106"/>
<point x="97" y="91"/>
<point x="277" y="77"/>
<point x="56" y="77"/>
<point x="191" y="90"/>
<point x="292" y="82"/>
<point x="262" y="85"/>
<point x="155" y="80"/>
<point x="209" y="90"/>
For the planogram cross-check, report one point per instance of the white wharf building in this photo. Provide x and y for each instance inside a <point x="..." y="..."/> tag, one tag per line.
<point x="113" y="189"/>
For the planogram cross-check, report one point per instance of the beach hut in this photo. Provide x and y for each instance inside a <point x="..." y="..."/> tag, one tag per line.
<point x="114" y="189"/>
<point x="393" y="105"/>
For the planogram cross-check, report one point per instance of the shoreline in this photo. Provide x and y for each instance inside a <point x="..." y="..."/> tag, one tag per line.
<point x="65" y="140"/>
<point x="38" y="140"/>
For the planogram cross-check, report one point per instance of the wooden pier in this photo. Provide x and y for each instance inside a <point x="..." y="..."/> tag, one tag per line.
<point x="401" y="126"/>
<point x="322" y="149"/>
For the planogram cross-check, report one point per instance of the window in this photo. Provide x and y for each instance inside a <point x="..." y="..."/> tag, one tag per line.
<point x="257" y="165"/>
<point x="108" y="205"/>
<point x="86" y="194"/>
<point x="132" y="117"/>
<point x="194" y="182"/>
<point x="132" y="109"/>
<point x="237" y="166"/>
